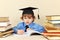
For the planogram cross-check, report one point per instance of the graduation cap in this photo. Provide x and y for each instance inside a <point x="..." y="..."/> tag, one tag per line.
<point x="28" y="10"/>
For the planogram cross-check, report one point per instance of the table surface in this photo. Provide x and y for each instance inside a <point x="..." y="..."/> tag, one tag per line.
<point x="21" y="37"/>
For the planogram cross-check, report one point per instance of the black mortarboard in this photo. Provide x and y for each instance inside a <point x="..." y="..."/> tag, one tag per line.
<point x="28" y="10"/>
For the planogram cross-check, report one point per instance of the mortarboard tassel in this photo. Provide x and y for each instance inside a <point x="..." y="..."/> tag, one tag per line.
<point x="38" y="16"/>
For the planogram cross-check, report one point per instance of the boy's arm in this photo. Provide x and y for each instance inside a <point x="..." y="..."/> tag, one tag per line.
<point x="39" y="28"/>
<point x="17" y="30"/>
<point x="18" y="27"/>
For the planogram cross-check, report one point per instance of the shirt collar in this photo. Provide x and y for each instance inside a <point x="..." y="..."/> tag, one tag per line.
<point x="29" y="24"/>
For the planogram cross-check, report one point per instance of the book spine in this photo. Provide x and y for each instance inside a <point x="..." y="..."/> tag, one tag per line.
<point x="54" y="21"/>
<point x="53" y="17"/>
<point x="4" y="19"/>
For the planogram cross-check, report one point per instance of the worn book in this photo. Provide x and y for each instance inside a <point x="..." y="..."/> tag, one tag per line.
<point x="6" y="33"/>
<point x="52" y="38"/>
<point x="5" y="28"/>
<point x="51" y="28"/>
<point x="53" y="17"/>
<point x="52" y="35"/>
<point x="47" y="24"/>
<point x="3" y="24"/>
<point x="54" y="21"/>
<point x="4" y="19"/>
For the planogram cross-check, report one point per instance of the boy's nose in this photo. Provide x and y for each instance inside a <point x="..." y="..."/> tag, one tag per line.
<point x="27" y="19"/>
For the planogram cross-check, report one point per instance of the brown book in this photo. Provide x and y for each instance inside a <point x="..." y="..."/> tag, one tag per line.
<point x="51" y="33"/>
<point x="4" y="23"/>
<point x="6" y="33"/>
<point x="4" y="19"/>
<point x="5" y="28"/>
<point x="51" y="28"/>
<point x="54" y="22"/>
<point x="53" y="17"/>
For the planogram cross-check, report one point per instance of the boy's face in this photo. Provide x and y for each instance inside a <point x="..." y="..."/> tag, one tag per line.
<point x="28" y="19"/>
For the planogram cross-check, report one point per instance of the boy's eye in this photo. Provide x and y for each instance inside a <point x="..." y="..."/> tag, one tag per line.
<point x="25" y="18"/>
<point x="30" y="18"/>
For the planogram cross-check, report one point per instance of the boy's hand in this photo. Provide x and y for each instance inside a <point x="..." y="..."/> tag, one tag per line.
<point x="29" y="29"/>
<point x="20" y="32"/>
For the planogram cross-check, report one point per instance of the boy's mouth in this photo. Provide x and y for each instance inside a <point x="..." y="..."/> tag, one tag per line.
<point x="27" y="22"/>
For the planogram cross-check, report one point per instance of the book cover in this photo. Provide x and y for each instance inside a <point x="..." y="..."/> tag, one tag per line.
<point x="51" y="28"/>
<point x="4" y="24"/>
<point x="52" y="35"/>
<point x="4" y="19"/>
<point x="53" y="17"/>
<point x="6" y="33"/>
<point x="5" y="28"/>
<point x="54" y="21"/>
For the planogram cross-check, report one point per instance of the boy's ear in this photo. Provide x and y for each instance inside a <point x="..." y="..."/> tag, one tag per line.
<point x="34" y="17"/>
<point x="21" y="18"/>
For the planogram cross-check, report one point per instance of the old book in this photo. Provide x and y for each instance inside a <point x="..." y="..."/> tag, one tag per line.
<point x="6" y="33"/>
<point x="54" y="21"/>
<point x="47" y="24"/>
<point x="4" y="24"/>
<point x="4" y="19"/>
<point x="51" y="28"/>
<point x="52" y="35"/>
<point x="57" y="26"/>
<point x="53" y="17"/>
<point x="53" y="38"/>
<point x="5" y="28"/>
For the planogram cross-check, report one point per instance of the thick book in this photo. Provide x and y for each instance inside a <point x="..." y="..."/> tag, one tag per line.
<point x="6" y="33"/>
<point x="53" y="38"/>
<point x="3" y="24"/>
<point x="51" y="28"/>
<point x="53" y="17"/>
<point x="5" y="28"/>
<point x="47" y="24"/>
<point x="54" y="21"/>
<point x="52" y="35"/>
<point x="4" y="19"/>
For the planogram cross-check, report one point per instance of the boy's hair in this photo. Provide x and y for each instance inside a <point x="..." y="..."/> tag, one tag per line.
<point x="28" y="15"/>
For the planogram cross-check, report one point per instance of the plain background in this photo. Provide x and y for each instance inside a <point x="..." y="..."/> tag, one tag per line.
<point x="10" y="8"/>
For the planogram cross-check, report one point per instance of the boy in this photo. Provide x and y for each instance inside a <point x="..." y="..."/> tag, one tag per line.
<point x="28" y="22"/>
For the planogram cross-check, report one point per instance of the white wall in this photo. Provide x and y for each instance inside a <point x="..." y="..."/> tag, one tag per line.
<point x="11" y="8"/>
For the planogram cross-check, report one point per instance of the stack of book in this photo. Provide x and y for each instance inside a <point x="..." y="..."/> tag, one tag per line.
<point x="5" y="26"/>
<point x="54" y="19"/>
<point x="52" y="26"/>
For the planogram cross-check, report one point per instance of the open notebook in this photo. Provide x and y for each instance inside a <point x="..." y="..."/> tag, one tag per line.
<point x="32" y="32"/>
<point x="29" y="33"/>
